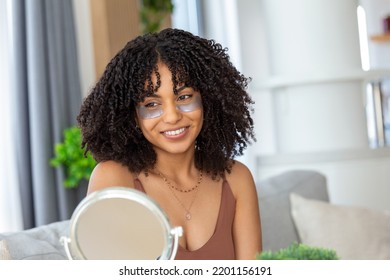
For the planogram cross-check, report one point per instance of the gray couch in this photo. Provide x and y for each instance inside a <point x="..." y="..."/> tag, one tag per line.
<point x="278" y="228"/>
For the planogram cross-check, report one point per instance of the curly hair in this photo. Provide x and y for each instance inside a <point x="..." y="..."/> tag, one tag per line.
<point x="108" y="120"/>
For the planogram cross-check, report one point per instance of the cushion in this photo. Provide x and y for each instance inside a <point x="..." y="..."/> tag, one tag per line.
<point x="353" y="232"/>
<point x="4" y="251"/>
<point x="40" y="243"/>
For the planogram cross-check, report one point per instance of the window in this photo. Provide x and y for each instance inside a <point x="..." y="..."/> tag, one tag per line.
<point x="10" y="208"/>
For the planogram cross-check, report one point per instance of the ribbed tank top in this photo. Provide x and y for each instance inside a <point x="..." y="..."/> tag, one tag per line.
<point x="220" y="246"/>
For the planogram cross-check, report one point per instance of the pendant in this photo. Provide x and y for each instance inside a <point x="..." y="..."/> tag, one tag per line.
<point x="188" y="216"/>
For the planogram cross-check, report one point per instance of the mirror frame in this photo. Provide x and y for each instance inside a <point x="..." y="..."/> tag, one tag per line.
<point x="171" y="235"/>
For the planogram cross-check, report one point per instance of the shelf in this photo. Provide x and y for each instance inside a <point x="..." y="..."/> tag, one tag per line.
<point x="381" y="37"/>
<point x="323" y="156"/>
<point x="316" y="78"/>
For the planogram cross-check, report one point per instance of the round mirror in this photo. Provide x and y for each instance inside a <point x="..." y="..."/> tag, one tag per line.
<point x="119" y="223"/>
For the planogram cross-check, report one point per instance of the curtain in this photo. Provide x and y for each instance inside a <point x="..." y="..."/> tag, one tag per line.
<point x="46" y="98"/>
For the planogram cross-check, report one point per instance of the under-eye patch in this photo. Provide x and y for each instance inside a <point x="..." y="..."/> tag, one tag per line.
<point x="184" y="103"/>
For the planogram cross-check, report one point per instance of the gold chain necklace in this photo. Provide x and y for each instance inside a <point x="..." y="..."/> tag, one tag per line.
<point x="188" y="214"/>
<point x="183" y="190"/>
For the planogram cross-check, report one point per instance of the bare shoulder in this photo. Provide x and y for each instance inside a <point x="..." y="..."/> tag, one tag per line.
<point x="110" y="174"/>
<point x="246" y="227"/>
<point x="240" y="179"/>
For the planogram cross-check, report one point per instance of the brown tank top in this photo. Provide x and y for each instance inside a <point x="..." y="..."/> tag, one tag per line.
<point x="220" y="246"/>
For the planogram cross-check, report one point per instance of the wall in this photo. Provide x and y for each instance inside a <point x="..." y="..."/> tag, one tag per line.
<point x="304" y="58"/>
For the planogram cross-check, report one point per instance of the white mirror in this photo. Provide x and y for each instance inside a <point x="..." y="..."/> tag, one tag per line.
<point x="119" y="223"/>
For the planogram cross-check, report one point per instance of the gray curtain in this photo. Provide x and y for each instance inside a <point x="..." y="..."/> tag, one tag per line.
<point x="46" y="99"/>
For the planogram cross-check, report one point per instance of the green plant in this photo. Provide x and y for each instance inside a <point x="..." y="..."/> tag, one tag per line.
<point x="69" y="154"/>
<point x="299" y="251"/>
<point x="153" y="13"/>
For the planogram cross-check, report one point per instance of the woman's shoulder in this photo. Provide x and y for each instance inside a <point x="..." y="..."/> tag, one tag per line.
<point x="240" y="178"/>
<point x="239" y="171"/>
<point x="110" y="165"/>
<point x="110" y="174"/>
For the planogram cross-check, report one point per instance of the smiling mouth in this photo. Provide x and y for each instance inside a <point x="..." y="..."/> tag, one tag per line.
<point x="175" y="132"/>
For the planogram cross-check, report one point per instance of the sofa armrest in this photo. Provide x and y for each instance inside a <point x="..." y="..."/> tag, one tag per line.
<point x="40" y="243"/>
<point x="278" y="228"/>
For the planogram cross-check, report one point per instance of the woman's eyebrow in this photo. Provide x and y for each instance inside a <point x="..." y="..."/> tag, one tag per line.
<point x="181" y="88"/>
<point x="153" y="95"/>
<point x="156" y="95"/>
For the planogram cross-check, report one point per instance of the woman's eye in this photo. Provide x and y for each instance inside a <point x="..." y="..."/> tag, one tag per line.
<point x="151" y="105"/>
<point x="184" y="97"/>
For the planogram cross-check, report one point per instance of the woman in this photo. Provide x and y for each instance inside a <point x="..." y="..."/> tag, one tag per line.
<point x="167" y="118"/>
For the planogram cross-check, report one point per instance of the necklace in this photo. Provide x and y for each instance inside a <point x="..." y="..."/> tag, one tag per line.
<point x="188" y="214"/>
<point x="183" y="190"/>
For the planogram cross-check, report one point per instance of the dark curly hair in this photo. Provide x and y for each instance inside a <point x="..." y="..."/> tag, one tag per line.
<point x="108" y="120"/>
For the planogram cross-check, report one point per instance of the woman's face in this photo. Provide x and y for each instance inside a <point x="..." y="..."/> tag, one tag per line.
<point x="171" y="122"/>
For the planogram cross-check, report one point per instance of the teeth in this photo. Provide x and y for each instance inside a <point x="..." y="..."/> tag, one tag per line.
<point x="175" y="132"/>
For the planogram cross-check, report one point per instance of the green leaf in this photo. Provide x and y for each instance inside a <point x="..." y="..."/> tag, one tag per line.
<point x="153" y="12"/>
<point x="299" y="251"/>
<point x="70" y="155"/>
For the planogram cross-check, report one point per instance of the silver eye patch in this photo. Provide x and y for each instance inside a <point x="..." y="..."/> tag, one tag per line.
<point x="154" y="110"/>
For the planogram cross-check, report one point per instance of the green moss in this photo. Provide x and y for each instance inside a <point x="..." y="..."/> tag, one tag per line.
<point x="298" y="251"/>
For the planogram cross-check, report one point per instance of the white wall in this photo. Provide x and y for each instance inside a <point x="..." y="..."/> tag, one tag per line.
<point x="358" y="178"/>
<point x="304" y="58"/>
<point x="308" y="48"/>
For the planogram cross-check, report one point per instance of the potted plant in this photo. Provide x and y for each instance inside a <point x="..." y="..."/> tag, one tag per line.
<point x="299" y="251"/>
<point x="78" y="165"/>
<point x="153" y="13"/>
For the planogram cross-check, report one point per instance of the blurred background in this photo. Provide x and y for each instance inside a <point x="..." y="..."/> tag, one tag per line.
<point x="320" y="78"/>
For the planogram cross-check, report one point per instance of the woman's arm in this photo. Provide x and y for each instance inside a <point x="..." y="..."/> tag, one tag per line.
<point x="246" y="227"/>
<point x="110" y="174"/>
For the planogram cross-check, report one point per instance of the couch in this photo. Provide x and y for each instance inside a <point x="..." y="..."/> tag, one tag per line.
<point x="294" y="207"/>
<point x="278" y="227"/>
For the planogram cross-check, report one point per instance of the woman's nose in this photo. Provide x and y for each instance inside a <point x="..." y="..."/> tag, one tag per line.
<point x="171" y="114"/>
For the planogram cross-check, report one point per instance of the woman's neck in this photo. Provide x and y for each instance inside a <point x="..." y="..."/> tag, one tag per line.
<point x="176" y="165"/>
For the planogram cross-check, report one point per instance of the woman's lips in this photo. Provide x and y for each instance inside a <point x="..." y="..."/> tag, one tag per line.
<point x="175" y="133"/>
